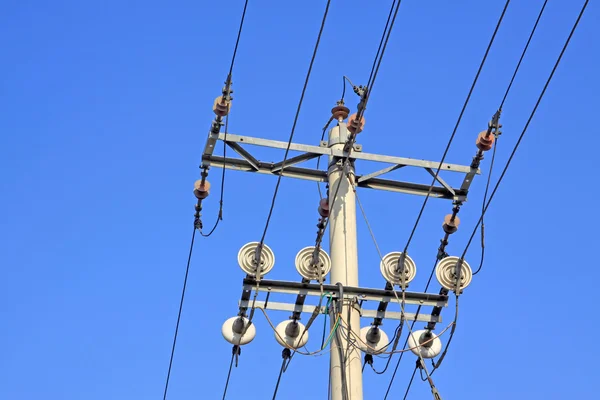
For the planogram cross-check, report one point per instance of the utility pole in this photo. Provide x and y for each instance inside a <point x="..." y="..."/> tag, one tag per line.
<point x="349" y="301"/>
<point x="345" y="362"/>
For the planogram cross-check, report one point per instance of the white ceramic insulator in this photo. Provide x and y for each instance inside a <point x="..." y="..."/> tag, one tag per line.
<point x="235" y="338"/>
<point x="294" y="342"/>
<point x="373" y="348"/>
<point x="445" y="273"/>
<point x="246" y="257"/>
<point x="426" y="352"/>
<point x="389" y="266"/>
<point x="308" y="270"/>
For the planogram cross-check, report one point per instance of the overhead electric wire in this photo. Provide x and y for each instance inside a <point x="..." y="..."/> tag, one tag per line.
<point x="187" y="269"/>
<point x="287" y="150"/>
<point x="512" y="154"/>
<point x="410" y="383"/>
<point x="365" y="98"/>
<point x="524" y="129"/>
<point x="487" y="186"/>
<point x="496" y="142"/>
<point x="228" y="375"/>
<point x="185" y="279"/>
<point x="435" y="177"/>
<point x="220" y="214"/>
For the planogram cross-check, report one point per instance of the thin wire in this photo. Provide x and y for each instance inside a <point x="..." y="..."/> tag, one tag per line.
<point x="385" y="30"/>
<point x="495" y="143"/>
<point x="523" y="54"/>
<point x="374" y="71"/>
<point x="279" y="378"/>
<point x="410" y="383"/>
<point x="287" y="150"/>
<point x="526" y="126"/>
<point x="487" y="186"/>
<point x="220" y="215"/>
<point x="187" y="270"/>
<point x="456" y="127"/>
<point x="237" y="41"/>
<point x="412" y="326"/>
<point x="228" y="376"/>
<point x="362" y="210"/>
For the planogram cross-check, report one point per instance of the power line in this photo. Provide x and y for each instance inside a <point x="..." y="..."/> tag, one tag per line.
<point x="410" y="383"/>
<point x="495" y="142"/>
<point x="522" y="133"/>
<point x="235" y="352"/>
<point x="456" y="127"/>
<point x="287" y="150"/>
<point x="526" y="126"/>
<point x="365" y="95"/>
<point x="237" y="41"/>
<point x="187" y="270"/>
<point x="220" y="214"/>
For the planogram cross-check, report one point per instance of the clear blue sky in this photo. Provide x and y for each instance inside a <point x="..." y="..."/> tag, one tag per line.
<point x="105" y="111"/>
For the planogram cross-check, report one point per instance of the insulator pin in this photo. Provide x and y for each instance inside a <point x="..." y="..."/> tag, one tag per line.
<point x="201" y="190"/>
<point x="451" y="224"/>
<point x="354" y="126"/>
<point x="484" y="141"/>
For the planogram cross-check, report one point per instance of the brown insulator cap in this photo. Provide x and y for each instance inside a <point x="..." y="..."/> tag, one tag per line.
<point x="340" y="111"/>
<point x="449" y="225"/>
<point x="201" y="190"/>
<point x="484" y="143"/>
<point x="354" y="125"/>
<point x="324" y="208"/>
<point x="221" y="107"/>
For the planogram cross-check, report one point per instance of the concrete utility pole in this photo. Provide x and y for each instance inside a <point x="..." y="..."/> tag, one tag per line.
<point x="345" y="363"/>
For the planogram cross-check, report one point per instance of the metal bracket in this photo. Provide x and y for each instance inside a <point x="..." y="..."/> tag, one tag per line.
<point x="372" y="180"/>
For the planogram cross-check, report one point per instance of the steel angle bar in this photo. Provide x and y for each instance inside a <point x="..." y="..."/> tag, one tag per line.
<point x="365" y="313"/>
<point x="441" y="181"/>
<point x="312" y="289"/>
<point x="231" y="138"/>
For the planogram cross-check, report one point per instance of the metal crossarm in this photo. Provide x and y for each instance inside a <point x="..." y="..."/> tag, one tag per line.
<point x="372" y="180"/>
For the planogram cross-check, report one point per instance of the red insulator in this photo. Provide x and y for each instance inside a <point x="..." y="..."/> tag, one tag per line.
<point x="324" y="208"/>
<point x="484" y="143"/>
<point x="201" y="190"/>
<point x="450" y="226"/>
<point x="354" y="125"/>
<point x="221" y="107"/>
<point x="340" y="112"/>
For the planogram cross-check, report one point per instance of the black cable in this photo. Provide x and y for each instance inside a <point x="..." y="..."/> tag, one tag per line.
<point x="365" y="98"/>
<point x="523" y="54"/>
<point x="456" y="127"/>
<point x="410" y="383"/>
<point x="526" y="126"/>
<point x="381" y="42"/>
<point x="286" y="354"/>
<point x="237" y="41"/>
<point x="487" y="186"/>
<point x="234" y="353"/>
<point x="287" y="150"/>
<point x="412" y="325"/>
<point x="495" y="142"/>
<point x="187" y="270"/>
<point x="220" y="215"/>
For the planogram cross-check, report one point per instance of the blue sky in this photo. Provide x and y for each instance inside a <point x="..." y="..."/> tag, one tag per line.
<point x="105" y="111"/>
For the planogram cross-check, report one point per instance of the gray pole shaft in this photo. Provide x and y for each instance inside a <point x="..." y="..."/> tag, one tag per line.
<point x="344" y="269"/>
